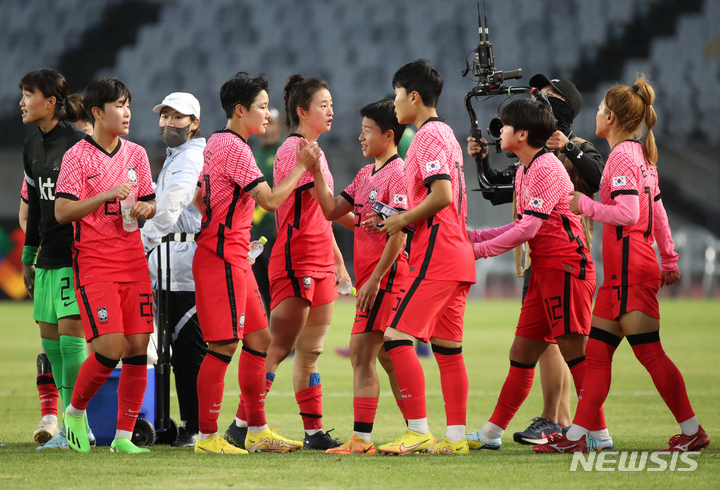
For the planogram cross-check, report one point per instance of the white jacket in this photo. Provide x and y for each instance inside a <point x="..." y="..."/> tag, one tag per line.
<point x="175" y="214"/>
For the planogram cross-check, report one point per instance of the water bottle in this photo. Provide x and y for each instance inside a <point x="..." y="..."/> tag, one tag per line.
<point x="346" y="287"/>
<point x="256" y="248"/>
<point x="129" y="224"/>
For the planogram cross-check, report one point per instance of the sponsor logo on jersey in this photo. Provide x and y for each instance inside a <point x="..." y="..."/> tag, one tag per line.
<point x="373" y="195"/>
<point x="399" y="199"/>
<point x="619" y="181"/>
<point x="102" y="314"/>
<point x="132" y="175"/>
<point x="535" y="202"/>
<point x="432" y="166"/>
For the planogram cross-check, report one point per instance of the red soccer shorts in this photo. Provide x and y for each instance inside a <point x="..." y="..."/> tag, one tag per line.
<point x="115" y="307"/>
<point x="557" y="303"/>
<point x="425" y="308"/>
<point x="317" y="287"/>
<point x="377" y="317"/>
<point x="227" y="298"/>
<point x="614" y="301"/>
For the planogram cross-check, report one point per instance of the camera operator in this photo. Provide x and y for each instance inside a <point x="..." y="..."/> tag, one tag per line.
<point x="584" y="165"/>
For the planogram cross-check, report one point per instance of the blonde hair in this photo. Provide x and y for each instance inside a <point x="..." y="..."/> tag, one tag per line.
<point x="632" y="105"/>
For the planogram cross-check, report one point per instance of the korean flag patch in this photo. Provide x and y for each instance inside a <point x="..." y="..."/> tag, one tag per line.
<point x="400" y="199"/>
<point x="619" y="181"/>
<point x="535" y="202"/>
<point x="132" y="175"/>
<point x="432" y="166"/>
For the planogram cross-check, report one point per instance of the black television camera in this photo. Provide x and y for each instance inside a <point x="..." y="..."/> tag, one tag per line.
<point x="490" y="84"/>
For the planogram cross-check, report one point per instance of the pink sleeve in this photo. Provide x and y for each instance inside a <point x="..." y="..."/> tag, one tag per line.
<point x="661" y="231"/>
<point x="522" y="231"/>
<point x="625" y="211"/>
<point x="479" y="236"/>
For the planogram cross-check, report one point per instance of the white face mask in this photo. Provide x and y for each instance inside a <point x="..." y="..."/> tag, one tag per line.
<point x="173" y="136"/>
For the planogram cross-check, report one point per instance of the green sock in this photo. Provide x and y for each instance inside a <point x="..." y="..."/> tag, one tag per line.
<point x="73" y="355"/>
<point x="54" y="355"/>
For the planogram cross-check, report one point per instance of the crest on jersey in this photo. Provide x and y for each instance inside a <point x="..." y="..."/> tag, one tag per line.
<point x="132" y="175"/>
<point x="432" y="166"/>
<point x="399" y="199"/>
<point x="535" y="202"/>
<point x="307" y="281"/>
<point x="619" y="181"/>
<point x="373" y="195"/>
<point x="102" y="314"/>
<point x="242" y="320"/>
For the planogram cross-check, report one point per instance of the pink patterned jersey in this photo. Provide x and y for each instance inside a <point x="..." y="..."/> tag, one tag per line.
<point x="440" y="249"/>
<point x="228" y="175"/>
<point x="102" y="250"/>
<point x="628" y="255"/>
<point x="23" y="191"/>
<point x="543" y="189"/>
<point x="305" y="237"/>
<point x="386" y="185"/>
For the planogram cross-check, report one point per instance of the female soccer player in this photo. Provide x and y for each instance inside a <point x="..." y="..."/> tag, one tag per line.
<point x="380" y="262"/>
<point x="633" y="217"/>
<point x="47" y="255"/>
<point x="178" y="222"/>
<point x="306" y="263"/>
<point x="229" y="306"/>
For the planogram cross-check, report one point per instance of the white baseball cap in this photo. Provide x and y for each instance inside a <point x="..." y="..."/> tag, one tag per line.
<point x="182" y="102"/>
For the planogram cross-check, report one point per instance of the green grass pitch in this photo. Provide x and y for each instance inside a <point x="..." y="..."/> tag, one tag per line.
<point x="636" y="415"/>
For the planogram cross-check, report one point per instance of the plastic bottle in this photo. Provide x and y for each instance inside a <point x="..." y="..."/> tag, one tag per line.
<point x="346" y="287"/>
<point x="256" y="248"/>
<point x="129" y="224"/>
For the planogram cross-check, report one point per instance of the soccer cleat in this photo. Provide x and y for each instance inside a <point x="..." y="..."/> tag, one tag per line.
<point x="126" y="446"/>
<point x="270" y="441"/>
<point x="321" y="440"/>
<point x="236" y="435"/>
<point x="561" y="444"/>
<point x="682" y="443"/>
<point x="595" y="444"/>
<point x="91" y="438"/>
<point x="185" y="438"/>
<point x="45" y="432"/>
<point x="447" y="447"/>
<point x="57" y="442"/>
<point x="356" y="445"/>
<point x="537" y="432"/>
<point x="478" y="440"/>
<point x="343" y="351"/>
<point x="76" y="433"/>
<point x="217" y="445"/>
<point x="411" y="442"/>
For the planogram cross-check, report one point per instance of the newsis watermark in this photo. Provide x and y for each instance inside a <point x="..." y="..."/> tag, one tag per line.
<point x="635" y="461"/>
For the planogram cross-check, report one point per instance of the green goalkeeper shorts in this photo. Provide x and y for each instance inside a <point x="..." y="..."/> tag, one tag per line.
<point x="54" y="295"/>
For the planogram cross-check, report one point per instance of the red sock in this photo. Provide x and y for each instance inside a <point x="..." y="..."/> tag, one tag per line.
<point x="251" y="377"/>
<point x="454" y="381"/>
<point x="578" y="369"/>
<point x="131" y="391"/>
<point x="666" y="376"/>
<point x="93" y="373"/>
<point x="210" y="386"/>
<point x="595" y="384"/>
<point x="48" y="393"/>
<point x="401" y="406"/>
<point x="364" y="410"/>
<point x="410" y="377"/>
<point x="514" y="392"/>
<point x="241" y="414"/>
<point x="310" y="402"/>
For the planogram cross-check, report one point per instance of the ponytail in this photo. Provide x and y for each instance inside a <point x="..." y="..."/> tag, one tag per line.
<point x="299" y="92"/>
<point x="646" y="92"/>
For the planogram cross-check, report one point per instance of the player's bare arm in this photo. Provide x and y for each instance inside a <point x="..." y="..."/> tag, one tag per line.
<point x="143" y="209"/>
<point x="340" y="270"/>
<point x="368" y="292"/>
<point x="67" y="210"/>
<point x="439" y="198"/>
<point x="333" y="208"/>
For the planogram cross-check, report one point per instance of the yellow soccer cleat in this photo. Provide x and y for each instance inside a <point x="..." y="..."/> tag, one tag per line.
<point x="447" y="447"/>
<point x="356" y="445"/>
<point x="216" y="445"/>
<point x="270" y="441"/>
<point x="411" y="442"/>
